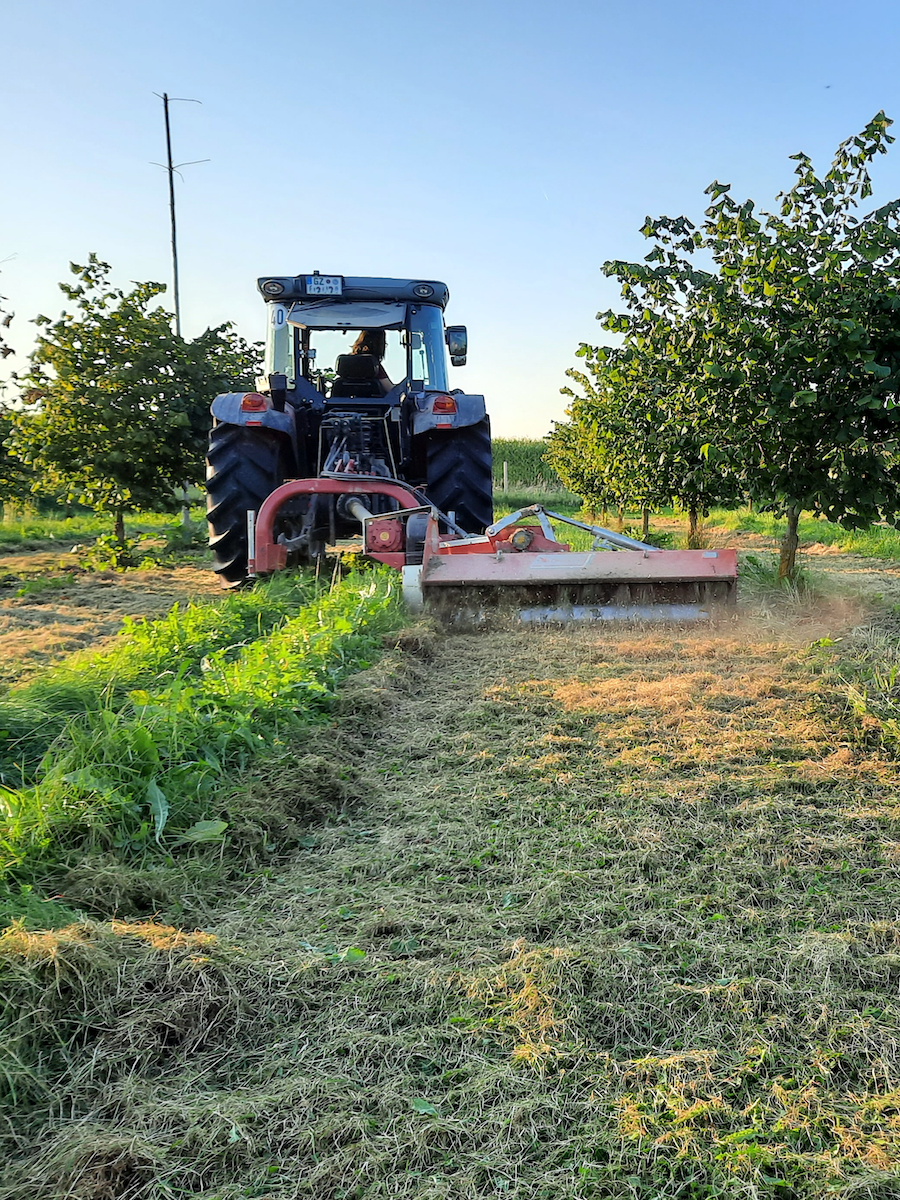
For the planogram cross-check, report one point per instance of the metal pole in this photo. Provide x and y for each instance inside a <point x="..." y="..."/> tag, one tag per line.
<point x="171" y="170"/>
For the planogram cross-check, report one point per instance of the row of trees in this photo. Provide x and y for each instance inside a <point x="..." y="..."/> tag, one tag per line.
<point x="114" y="409"/>
<point x="758" y="358"/>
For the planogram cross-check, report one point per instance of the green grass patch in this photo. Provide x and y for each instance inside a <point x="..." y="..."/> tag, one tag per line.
<point x="42" y="584"/>
<point x="875" y="542"/>
<point x="868" y="665"/>
<point x="35" y="531"/>
<point x="124" y="753"/>
<point x="148" y="653"/>
<point x="762" y="592"/>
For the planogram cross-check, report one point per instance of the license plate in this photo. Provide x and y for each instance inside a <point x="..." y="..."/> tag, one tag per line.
<point x="324" y="285"/>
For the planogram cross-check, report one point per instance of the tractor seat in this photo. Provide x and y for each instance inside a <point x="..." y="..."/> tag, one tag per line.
<point x="356" y="377"/>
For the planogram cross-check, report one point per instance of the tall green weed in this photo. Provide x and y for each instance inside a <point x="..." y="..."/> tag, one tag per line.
<point x="140" y="766"/>
<point x="33" y="716"/>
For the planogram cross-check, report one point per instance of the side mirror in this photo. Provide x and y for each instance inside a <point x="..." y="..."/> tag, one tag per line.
<point x="458" y="344"/>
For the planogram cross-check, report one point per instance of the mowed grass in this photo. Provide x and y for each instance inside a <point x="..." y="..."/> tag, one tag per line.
<point x="604" y="914"/>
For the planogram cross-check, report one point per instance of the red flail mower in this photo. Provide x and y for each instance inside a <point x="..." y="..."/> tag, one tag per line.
<point x="517" y="566"/>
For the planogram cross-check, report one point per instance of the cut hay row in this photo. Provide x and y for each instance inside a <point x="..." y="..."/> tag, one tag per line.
<point x="597" y="916"/>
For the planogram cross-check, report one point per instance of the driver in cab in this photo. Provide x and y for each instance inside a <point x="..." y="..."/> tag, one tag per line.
<point x="373" y="341"/>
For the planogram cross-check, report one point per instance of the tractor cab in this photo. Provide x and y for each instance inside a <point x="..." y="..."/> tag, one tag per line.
<point x="311" y="335"/>
<point x="356" y="382"/>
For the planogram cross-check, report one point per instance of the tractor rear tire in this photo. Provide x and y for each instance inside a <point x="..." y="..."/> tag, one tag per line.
<point x="242" y="468"/>
<point x="460" y="476"/>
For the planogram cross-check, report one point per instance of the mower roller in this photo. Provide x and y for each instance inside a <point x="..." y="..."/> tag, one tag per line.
<point x="317" y="455"/>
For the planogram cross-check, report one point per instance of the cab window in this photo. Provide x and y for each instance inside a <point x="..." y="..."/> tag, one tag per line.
<point x="426" y="337"/>
<point x="330" y="344"/>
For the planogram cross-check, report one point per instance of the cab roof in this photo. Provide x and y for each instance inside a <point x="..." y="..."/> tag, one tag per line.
<point x="329" y="288"/>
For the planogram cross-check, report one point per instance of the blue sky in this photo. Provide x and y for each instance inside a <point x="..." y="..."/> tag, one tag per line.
<point x="506" y="148"/>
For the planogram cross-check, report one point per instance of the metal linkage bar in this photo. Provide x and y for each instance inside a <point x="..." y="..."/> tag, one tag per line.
<point x="270" y="556"/>
<point x="617" y="540"/>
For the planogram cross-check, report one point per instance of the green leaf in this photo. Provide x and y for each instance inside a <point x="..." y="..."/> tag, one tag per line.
<point x="159" y="808"/>
<point x="878" y="369"/>
<point x="353" y="954"/>
<point x="403" y="947"/>
<point x="424" y="1107"/>
<point x="82" y="778"/>
<point x="204" y="831"/>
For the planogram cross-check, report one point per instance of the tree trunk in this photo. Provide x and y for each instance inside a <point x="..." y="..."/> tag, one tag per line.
<point x="604" y="517"/>
<point x="620" y="518"/>
<point x="787" y="563"/>
<point x="693" y="528"/>
<point x="645" y="527"/>
<point x="120" y="527"/>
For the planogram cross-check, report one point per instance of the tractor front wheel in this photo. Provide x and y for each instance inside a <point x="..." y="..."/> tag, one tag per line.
<point x="460" y="478"/>
<point x="242" y="468"/>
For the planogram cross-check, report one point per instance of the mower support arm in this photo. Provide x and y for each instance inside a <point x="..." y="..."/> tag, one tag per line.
<point x="619" y="540"/>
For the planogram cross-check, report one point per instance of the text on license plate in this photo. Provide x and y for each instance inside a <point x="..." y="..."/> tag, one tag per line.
<point x="324" y="285"/>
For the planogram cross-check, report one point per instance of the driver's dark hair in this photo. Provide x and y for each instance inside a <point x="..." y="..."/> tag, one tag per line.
<point x="370" y="341"/>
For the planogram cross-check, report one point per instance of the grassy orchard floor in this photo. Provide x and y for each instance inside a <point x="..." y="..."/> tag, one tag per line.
<point x="47" y="612"/>
<point x="604" y="914"/>
<point x="51" y="606"/>
<point x="596" y="913"/>
<point x="52" y="531"/>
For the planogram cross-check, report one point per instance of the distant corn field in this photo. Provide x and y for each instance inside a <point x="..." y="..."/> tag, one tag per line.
<point x="525" y="463"/>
